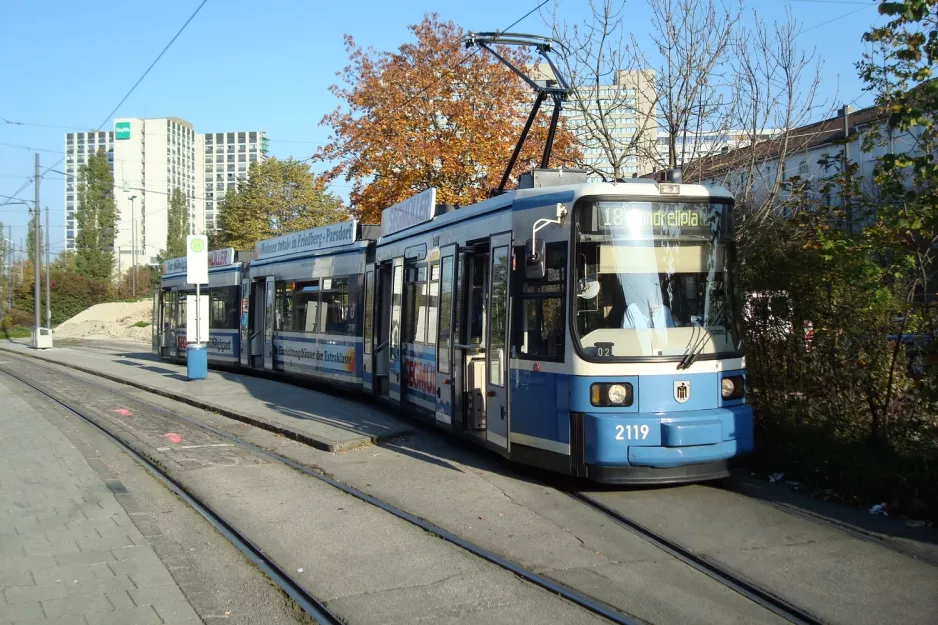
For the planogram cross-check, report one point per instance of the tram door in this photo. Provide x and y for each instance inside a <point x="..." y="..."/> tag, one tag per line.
<point x="496" y="360"/>
<point x="269" y="312"/>
<point x="244" y="327"/>
<point x="156" y="323"/>
<point x="256" y="324"/>
<point x="382" y="330"/>
<point x="445" y="376"/>
<point x="397" y="294"/>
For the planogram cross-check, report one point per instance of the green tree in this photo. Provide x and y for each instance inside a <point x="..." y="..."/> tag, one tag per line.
<point x="31" y="238"/>
<point x="177" y="227"/>
<point x="278" y="197"/>
<point x="97" y="218"/>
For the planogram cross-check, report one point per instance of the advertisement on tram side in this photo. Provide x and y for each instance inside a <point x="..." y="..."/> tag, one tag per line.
<point x="324" y="355"/>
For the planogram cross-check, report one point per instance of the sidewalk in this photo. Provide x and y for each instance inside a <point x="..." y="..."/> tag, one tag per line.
<point x="320" y="420"/>
<point x="69" y="553"/>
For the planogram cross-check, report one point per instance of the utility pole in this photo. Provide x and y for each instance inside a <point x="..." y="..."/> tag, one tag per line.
<point x="133" y="247"/>
<point x="10" y="268"/>
<point x="48" y="276"/>
<point x="38" y="256"/>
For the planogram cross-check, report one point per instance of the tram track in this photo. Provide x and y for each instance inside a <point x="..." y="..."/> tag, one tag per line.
<point x="255" y="554"/>
<point x="304" y="599"/>
<point x="704" y="565"/>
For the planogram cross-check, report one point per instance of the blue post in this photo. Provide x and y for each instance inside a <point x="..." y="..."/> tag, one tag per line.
<point x="196" y="362"/>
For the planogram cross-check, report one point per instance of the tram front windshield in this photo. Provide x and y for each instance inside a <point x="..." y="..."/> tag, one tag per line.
<point x="654" y="279"/>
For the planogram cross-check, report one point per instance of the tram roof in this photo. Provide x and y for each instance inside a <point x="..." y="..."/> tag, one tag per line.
<point x="524" y="199"/>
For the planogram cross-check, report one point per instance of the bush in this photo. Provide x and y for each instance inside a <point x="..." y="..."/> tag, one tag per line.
<point x="71" y="293"/>
<point x="836" y="407"/>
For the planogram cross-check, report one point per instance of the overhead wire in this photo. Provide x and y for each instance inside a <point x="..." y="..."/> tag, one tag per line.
<point x="839" y="17"/>
<point x="383" y="118"/>
<point x="128" y="94"/>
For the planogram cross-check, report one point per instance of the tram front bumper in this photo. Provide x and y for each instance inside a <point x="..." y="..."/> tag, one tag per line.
<point x="668" y="440"/>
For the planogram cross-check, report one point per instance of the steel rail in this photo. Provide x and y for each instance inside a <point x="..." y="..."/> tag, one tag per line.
<point x="751" y="591"/>
<point x="583" y="600"/>
<point x="312" y="606"/>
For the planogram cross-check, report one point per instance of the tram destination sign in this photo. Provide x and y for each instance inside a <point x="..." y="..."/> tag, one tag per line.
<point x="411" y="212"/>
<point x="216" y="258"/>
<point x="311" y="240"/>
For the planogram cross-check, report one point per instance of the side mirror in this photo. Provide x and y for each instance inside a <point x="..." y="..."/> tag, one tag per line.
<point x="535" y="260"/>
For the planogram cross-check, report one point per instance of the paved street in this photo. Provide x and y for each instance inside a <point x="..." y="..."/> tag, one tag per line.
<point x="69" y="550"/>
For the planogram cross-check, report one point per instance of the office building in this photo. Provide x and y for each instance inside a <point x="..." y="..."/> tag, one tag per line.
<point x="149" y="159"/>
<point x="616" y="121"/>
<point x="79" y="146"/>
<point x="225" y="159"/>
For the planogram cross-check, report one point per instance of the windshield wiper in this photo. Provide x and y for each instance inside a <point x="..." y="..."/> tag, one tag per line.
<point x="701" y="343"/>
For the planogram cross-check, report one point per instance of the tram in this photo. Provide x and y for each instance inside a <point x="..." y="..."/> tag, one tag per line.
<point x="587" y="328"/>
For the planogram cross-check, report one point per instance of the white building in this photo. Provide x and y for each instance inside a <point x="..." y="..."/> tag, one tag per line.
<point x="606" y="119"/>
<point x="79" y="146"/>
<point x="812" y="154"/>
<point x="149" y="159"/>
<point x="695" y="145"/>
<point x="225" y="158"/>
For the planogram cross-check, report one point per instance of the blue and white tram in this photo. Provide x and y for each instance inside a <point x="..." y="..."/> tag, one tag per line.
<point x="170" y="308"/>
<point x="591" y="329"/>
<point x="585" y="328"/>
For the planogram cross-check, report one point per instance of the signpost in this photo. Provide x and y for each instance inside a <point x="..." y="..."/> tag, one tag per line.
<point x="196" y="327"/>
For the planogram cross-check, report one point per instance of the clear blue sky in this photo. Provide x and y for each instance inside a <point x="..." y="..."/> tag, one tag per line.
<point x="243" y="65"/>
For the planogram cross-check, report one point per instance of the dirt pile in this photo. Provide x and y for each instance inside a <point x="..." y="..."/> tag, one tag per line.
<point x="117" y="320"/>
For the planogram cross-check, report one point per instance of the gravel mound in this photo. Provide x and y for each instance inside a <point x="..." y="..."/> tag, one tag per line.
<point x="110" y="321"/>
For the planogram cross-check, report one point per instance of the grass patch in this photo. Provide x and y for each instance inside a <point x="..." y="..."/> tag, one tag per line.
<point x="141" y="324"/>
<point x="17" y="332"/>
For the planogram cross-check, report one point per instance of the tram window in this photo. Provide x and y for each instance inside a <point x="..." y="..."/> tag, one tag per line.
<point x="433" y="304"/>
<point x="415" y="305"/>
<point x="181" y="311"/>
<point x="499" y="316"/>
<point x="369" y="310"/>
<point x="223" y="303"/>
<point x="305" y="306"/>
<point x="444" y="345"/>
<point x="397" y="288"/>
<point x="538" y="327"/>
<point x="335" y="306"/>
<point x="284" y="304"/>
<point x="477" y="299"/>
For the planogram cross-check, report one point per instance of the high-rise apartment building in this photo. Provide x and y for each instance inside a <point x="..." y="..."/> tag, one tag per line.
<point x="149" y="159"/>
<point x="224" y="159"/>
<point x="617" y="119"/>
<point x="79" y="146"/>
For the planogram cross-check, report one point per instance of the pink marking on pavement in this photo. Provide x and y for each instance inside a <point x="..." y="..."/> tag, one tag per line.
<point x="123" y="412"/>
<point x="173" y="437"/>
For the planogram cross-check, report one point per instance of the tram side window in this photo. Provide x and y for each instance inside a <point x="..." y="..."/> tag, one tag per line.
<point x="433" y="302"/>
<point x="369" y="310"/>
<point x="223" y="303"/>
<point x="538" y="325"/>
<point x="445" y="342"/>
<point x="181" y="310"/>
<point x="415" y="305"/>
<point x="305" y="306"/>
<point x="336" y="315"/>
<point x="284" y="304"/>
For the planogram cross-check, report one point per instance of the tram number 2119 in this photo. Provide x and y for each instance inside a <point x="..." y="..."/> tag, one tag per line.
<point x="631" y="432"/>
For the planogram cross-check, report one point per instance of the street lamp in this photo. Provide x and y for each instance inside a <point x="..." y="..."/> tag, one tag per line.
<point x="133" y="247"/>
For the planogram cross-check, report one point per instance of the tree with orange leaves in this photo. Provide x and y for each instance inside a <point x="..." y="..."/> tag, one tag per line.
<point x="432" y="115"/>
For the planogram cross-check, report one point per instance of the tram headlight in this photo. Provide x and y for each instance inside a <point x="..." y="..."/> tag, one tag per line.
<point x="611" y="394"/>
<point x="732" y="387"/>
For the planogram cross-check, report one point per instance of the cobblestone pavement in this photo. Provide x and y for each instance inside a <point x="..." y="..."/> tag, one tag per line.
<point x="69" y="551"/>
